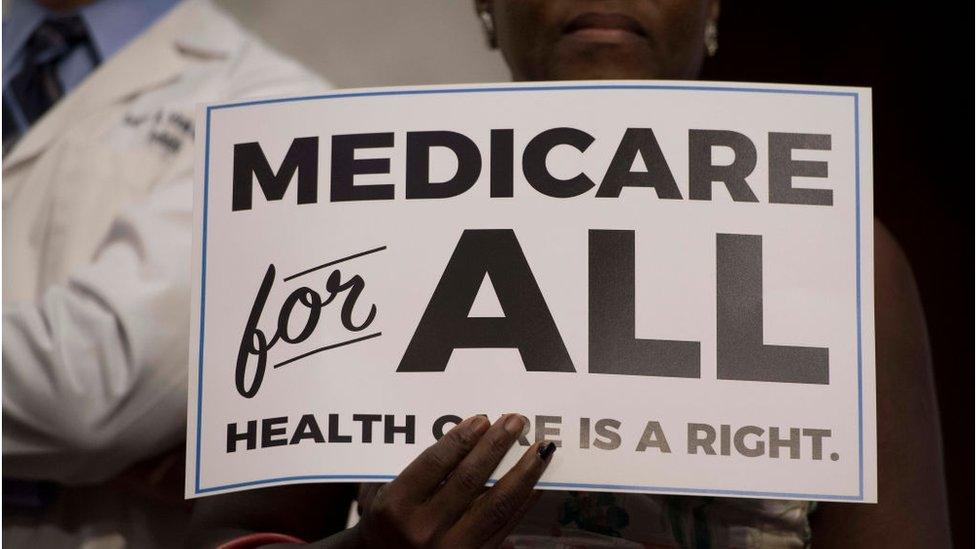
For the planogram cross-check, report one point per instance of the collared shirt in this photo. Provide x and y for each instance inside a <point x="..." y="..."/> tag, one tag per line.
<point x="111" y="25"/>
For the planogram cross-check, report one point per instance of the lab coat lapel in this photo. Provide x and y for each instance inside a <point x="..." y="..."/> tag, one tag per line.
<point x="155" y="59"/>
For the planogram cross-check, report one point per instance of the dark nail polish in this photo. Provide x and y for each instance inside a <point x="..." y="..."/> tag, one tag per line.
<point x="547" y="450"/>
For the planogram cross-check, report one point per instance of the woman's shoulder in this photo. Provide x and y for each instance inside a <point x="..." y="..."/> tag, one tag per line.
<point x="911" y="509"/>
<point x="890" y="261"/>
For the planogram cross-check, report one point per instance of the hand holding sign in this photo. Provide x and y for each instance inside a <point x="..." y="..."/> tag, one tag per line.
<point x="440" y="499"/>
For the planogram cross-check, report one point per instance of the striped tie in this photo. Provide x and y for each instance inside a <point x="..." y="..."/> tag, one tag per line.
<point x="37" y="87"/>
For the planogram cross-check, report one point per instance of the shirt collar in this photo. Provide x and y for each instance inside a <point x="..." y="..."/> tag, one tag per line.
<point x="20" y="21"/>
<point x="114" y="23"/>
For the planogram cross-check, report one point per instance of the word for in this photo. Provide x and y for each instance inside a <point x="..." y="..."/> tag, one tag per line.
<point x="254" y="342"/>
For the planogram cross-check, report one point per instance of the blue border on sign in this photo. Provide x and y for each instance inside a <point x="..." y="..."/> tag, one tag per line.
<point x="494" y="89"/>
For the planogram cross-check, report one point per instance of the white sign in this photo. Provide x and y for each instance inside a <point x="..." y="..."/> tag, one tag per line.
<point x="672" y="280"/>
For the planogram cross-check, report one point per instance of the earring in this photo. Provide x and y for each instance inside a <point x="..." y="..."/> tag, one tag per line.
<point x="711" y="38"/>
<point x="489" y="25"/>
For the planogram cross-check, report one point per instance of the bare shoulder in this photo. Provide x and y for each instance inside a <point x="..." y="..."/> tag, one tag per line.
<point x="891" y="268"/>
<point x="886" y="248"/>
<point x="911" y="509"/>
<point x="899" y="317"/>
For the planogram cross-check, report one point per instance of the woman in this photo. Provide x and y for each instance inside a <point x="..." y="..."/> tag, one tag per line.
<point x="439" y="500"/>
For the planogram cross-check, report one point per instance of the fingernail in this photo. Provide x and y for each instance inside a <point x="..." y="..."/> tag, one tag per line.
<point x="515" y="424"/>
<point x="547" y="450"/>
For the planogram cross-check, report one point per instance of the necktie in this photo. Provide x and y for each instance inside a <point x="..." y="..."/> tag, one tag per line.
<point x="37" y="87"/>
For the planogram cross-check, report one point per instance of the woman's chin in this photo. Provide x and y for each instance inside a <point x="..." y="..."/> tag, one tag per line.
<point x="603" y="63"/>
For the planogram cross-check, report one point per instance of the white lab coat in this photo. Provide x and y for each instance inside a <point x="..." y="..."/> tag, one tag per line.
<point x="97" y="215"/>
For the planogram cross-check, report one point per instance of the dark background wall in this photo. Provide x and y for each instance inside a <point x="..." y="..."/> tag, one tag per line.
<point x="918" y="62"/>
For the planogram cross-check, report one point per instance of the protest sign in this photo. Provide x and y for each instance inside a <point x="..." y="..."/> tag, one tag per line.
<point x="672" y="280"/>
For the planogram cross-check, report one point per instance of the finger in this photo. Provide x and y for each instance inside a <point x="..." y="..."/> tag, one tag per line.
<point x="424" y="474"/>
<point x="499" y="537"/>
<point x="468" y="480"/>
<point x="502" y="502"/>
<point x="367" y="493"/>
